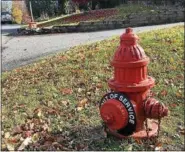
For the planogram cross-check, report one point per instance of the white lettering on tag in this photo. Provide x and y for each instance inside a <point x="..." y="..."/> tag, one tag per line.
<point x="111" y="96"/>
<point x="131" y="121"/>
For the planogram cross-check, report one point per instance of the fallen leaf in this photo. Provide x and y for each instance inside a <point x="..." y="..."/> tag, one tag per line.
<point x="35" y="137"/>
<point x="52" y="111"/>
<point x="174" y="50"/>
<point x="25" y="143"/>
<point x="65" y="103"/>
<point x="182" y="130"/>
<point x="138" y="141"/>
<point x="7" y="135"/>
<point x="171" y="60"/>
<point x="166" y="81"/>
<point x="173" y="105"/>
<point x="99" y="85"/>
<point x="27" y="134"/>
<point x="63" y="58"/>
<point x="79" y="108"/>
<point x="38" y="112"/>
<point x="10" y="147"/>
<point x="81" y="104"/>
<point x="3" y="146"/>
<point x="66" y="91"/>
<point x="32" y="126"/>
<point x="129" y="147"/>
<point x="164" y="93"/>
<point x="158" y="144"/>
<point x="12" y="140"/>
<point x="178" y="94"/>
<point x="17" y="130"/>
<point x="80" y="90"/>
<point x="45" y="127"/>
<point x="60" y="139"/>
<point x="50" y="138"/>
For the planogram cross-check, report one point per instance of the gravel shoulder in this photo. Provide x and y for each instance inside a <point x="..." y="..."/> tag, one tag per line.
<point x="21" y="50"/>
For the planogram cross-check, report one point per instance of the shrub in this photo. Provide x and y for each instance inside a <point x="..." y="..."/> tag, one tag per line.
<point x="17" y="15"/>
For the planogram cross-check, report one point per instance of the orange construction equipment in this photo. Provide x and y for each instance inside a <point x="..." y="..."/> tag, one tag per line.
<point x="32" y="25"/>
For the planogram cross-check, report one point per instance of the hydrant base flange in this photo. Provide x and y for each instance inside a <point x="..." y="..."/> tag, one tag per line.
<point x="140" y="134"/>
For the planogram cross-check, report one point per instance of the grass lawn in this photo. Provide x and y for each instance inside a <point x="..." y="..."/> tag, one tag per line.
<point x="54" y="101"/>
<point x="117" y="13"/>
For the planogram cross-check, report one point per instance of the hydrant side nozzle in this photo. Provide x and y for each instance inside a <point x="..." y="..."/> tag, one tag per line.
<point x="154" y="109"/>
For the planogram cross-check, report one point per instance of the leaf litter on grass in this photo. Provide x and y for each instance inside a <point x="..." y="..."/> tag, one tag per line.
<point x="41" y="99"/>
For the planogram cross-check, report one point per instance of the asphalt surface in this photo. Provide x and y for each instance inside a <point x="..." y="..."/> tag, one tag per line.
<point x="9" y="28"/>
<point x="22" y="50"/>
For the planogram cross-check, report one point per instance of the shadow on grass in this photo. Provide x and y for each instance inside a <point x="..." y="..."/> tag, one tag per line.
<point x="75" y="138"/>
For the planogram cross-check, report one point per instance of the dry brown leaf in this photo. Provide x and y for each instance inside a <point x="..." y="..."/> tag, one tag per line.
<point x="17" y="130"/>
<point x="173" y="105"/>
<point x="27" y="134"/>
<point x="79" y="108"/>
<point x="63" y="58"/>
<point x="164" y="92"/>
<point x="66" y="91"/>
<point x="35" y="137"/>
<point x="52" y="111"/>
<point x="45" y="127"/>
<point x="158" y="148"/>
<point x="26" y="142"/>
<point x="82" y="103"/>
<point x="166" y="81"/>
<point x="80" y="90"/>
<point x="7" y="135"/>
<point x="3" y="146"/>
<point x="65" y="103"/>
<point x="182" y="131"/>
<point x="50" y="138"/>
<point x="99" y="85"/>
<point x="38" y="112"/>
<point x="159" y="144"/>
<point x="10" y="147"/>
<point x="138" y="141"/>
<point x="178" y="94"/>
<point x="12" y="140"/>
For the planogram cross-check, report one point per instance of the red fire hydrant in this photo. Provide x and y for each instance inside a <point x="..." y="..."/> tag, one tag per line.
<point x="126" y="108"/>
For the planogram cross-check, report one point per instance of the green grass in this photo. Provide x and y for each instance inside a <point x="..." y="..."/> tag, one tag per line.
<point x="125" y="10"/>
<point x="58" y="85"/>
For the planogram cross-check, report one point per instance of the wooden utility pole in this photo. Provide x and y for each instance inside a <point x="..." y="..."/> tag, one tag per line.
<point x="31" y="12"/>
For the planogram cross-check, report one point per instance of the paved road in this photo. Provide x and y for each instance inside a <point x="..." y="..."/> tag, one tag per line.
<point x="22" y="50"/>
<point x="9" y="28"/>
